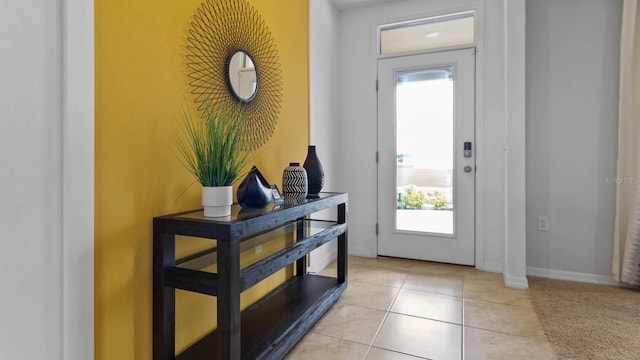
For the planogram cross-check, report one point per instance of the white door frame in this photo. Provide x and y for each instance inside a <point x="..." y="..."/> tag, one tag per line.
<point x="478" y="8"/>
<point x="509" y="51"/>
<point x="77" y="273"/>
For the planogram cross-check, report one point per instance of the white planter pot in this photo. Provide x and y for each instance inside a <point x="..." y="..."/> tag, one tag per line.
<point x="217" y="200"/>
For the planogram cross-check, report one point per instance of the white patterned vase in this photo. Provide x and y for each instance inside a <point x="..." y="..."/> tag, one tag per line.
<point x="294" y="182"/>
<point x="217" y="200"/>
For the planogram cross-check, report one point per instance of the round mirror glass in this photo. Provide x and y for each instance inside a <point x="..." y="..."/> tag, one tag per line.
<point x="242" y="77"/>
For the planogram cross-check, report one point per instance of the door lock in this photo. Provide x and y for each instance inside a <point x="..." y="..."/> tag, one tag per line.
<point x="468" y="169"/>
<point x="467" y="149"/>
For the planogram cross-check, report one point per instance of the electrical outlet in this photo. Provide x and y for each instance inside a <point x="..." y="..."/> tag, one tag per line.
<point x="257" y="249"/>
<point x="543" y="223"/>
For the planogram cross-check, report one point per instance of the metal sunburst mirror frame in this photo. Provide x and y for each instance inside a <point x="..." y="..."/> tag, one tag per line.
<point x="218" y="30"/>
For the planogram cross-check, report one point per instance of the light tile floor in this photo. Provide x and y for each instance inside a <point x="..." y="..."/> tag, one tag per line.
<point x="404" y="309"/>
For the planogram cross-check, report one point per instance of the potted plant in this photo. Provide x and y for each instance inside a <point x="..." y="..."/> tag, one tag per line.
<point x="210" y="148"/>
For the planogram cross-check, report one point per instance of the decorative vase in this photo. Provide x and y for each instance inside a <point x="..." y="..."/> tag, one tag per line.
<point x="294" y="181"/>
<point x="254" y="191"/>
<point x="293" y="201"/>
<point x="315" y="174"/>
<point x="217" y="200"/>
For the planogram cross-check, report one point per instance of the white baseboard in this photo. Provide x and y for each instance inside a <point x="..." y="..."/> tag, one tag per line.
<point x="322" y="257"/>
<point x="571" y="276"/>
<point x="490" y="267"/>
<point x="362" y="252"/>
<point x="516" y="282"/>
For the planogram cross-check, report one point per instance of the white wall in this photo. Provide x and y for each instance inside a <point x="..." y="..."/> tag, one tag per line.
<point x="77" y="179"/>
<point x="357" y="129"/>
<point x="30" y="191"/>
<point x="572" y="100"/>
<point x="514" y="92"/>
<point x="324" y="62"/>
<point x="46" y="188"/>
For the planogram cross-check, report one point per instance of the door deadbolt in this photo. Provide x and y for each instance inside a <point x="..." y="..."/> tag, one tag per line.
<point x="467" y="149"/>
<point x="468" y="169"/>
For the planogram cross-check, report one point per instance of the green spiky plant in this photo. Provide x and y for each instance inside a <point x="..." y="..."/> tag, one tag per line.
<point x="210" y="148"/>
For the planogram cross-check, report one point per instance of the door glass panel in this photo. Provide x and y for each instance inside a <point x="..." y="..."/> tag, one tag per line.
<point x="424" y="151"/>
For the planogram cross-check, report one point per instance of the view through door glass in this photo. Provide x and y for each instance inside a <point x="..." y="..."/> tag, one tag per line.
<point x="424" y="148"/>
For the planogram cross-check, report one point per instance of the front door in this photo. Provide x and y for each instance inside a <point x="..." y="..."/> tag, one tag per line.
<point x="426" y="152"/>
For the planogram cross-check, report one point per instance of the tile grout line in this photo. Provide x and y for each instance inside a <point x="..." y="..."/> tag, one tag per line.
<point x="462" y="320"/>
<point x="499" y="303"/>
<point x="386" y="314"/>
<point x="467" y="281"/>
<point x="506" y="333"/>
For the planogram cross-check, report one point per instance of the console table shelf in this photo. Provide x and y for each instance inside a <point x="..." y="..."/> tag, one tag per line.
<point x="269" y="328"/>
<point x="274" y="324"/>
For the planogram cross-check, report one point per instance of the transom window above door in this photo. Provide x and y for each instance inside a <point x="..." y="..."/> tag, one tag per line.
<point x="447" y="31"/>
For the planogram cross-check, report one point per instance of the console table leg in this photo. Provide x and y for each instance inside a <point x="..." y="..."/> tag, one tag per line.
<point x="164" y="303"/>
<point x="343" y="254"/>
<point x="301" y="233"/>
<point x="229" y="342"/>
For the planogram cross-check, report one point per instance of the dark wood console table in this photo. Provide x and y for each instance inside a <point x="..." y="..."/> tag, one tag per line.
<point x="272" y="326"/>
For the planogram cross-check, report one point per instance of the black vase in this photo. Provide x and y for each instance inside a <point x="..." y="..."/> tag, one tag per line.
<point x="254" y="191"/>
<point x="315" y="174"/>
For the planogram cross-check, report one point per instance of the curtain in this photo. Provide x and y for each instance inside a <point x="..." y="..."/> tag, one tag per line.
<point x="626" y="249"/>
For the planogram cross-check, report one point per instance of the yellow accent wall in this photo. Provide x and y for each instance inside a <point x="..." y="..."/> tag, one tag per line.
<point x="140" y="87"/>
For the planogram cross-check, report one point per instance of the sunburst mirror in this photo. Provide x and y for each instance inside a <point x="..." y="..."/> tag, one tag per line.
<point x="232" y="57"/>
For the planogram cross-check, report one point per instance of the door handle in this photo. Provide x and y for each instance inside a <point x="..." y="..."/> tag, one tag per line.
<point x="468" y="169"/>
